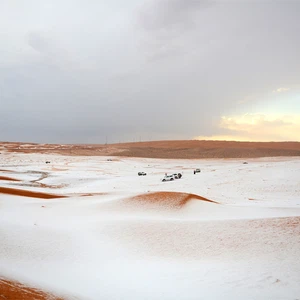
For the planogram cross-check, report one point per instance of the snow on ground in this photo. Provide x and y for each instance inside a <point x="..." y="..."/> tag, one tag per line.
<point x="102" y="242"/>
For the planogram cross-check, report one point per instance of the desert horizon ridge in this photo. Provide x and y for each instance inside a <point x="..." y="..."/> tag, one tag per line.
<point x="176" y="149"/>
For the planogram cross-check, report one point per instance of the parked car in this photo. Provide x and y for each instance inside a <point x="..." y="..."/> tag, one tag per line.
<point x="197" y="171"/>
<point x="168" y="178"/>
<point x="142" y="173"/>
<point x="177" y="175"/>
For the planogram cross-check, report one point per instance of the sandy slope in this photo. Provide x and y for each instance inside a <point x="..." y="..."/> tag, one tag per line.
<point x="10" y="290"/>
<point x="199" y="237"/>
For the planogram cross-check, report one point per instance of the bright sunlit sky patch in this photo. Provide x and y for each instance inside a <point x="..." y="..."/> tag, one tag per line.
<point x="260" y="127"/>
<point x="276" y="118"/>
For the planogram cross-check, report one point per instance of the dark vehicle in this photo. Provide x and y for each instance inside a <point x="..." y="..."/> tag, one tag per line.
<point x="197" y="171"/>
<point x="177" y="175"/>
<point x="142" y="173"/>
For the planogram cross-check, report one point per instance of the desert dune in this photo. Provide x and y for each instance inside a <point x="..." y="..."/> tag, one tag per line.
<point x="88" y="227"/>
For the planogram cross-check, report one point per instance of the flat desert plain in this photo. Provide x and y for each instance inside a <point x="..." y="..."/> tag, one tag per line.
<point x="88" y="227"/>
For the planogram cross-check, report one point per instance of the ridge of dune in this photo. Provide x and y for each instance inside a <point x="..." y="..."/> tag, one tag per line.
<point x="13" y="290"/>
<point x="26" y="193"/>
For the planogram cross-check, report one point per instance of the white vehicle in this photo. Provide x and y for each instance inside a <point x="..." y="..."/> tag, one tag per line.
<point x="168" y="178"/>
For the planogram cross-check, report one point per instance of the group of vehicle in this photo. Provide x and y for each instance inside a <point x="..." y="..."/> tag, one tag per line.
<point x="170" y="177"/>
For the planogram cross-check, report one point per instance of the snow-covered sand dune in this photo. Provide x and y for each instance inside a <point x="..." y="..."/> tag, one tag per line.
<point x="230" y="232"/>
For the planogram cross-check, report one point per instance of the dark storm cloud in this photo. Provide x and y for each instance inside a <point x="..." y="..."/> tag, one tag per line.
<point x="78" y="72"/>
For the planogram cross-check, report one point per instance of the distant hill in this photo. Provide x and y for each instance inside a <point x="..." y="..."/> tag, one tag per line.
<point x="165" y="149"/>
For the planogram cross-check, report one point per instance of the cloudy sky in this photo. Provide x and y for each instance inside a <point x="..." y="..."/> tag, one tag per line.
<point x="87" y="71"/>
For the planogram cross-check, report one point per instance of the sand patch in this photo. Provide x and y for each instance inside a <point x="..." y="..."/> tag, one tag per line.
<point x="43" y="175"/>
<point x="93" y="194"/>
<point x="8" y="178"/>
<point x="234" y="239"/>
<point x="31" y="194"/>
<point x="58" y="169"/>
<point x="41" y="185"/>
<point x="12" y="290"/>
<point x="51" y="186"/>
<point x="155" y="202"/>
<point x="168" y="199"/>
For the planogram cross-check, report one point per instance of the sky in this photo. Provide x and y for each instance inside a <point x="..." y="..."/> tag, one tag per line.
<point x="78" y="71"/>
